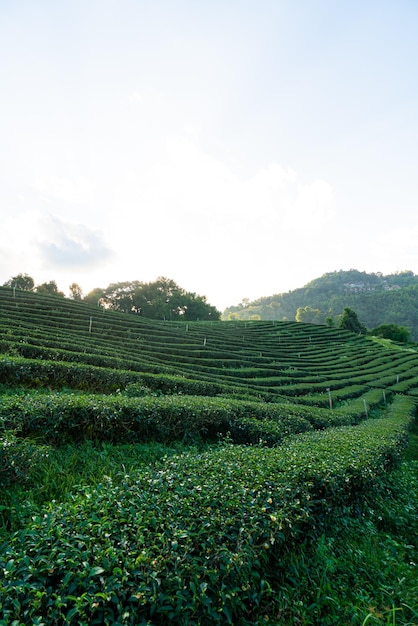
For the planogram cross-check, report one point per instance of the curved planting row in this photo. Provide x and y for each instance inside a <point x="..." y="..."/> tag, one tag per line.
<point x="60" y="418"/>
<point x="199" y="541"/>
<point x="269" y="359"/>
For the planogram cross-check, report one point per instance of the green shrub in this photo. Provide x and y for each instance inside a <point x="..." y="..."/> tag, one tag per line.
<point x="18" y="458"/>
<point x="60" y="418"/>
<point x="197" y="541"/>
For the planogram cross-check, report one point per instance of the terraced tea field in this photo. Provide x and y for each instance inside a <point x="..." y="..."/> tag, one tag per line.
<point x="236" y="443"/>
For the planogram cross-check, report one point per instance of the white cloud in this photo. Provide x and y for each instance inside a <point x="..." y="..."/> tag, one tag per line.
<point x="183" y="214"/>
<point x="71" y="245"/>
<point x="188" y="216"/>
<point x="79" y="191"/>
<point x="135" y="98"/>
<point x="44" y="244"/>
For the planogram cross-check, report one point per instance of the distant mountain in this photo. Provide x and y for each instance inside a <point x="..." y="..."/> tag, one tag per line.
<point x="377" y="299"/>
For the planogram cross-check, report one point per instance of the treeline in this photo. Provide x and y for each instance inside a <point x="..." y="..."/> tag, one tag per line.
<point x="377" y="299"/>
<point x="160" y="299"/>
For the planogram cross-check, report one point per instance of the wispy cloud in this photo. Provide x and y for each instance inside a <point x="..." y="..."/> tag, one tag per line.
<point x="34" y="241"/>
<point x="72" y="245"/>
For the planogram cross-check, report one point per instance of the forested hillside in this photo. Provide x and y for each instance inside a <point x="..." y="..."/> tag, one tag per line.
<point x="377" y="299"/>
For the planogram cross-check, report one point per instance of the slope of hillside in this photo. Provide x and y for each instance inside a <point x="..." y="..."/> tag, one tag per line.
<point x="377" y="299"/>
<point x="189" y="472"/>
<point x="271" y="359"/>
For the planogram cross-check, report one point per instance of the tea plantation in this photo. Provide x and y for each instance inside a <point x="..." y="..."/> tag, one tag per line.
<point x="203" y="472"/>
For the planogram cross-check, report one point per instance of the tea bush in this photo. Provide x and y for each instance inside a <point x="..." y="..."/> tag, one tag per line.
<point x="18" y="458"/>
<point x="198" y="541"/>
<point x="59" y="418"/>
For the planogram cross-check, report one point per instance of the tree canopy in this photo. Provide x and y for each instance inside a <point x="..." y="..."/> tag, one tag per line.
<point x="377" y="299"/>
<point x="350" y="321"/>
<point x="50" y="289"/>
<point x="76" y="293"/>
<point x="21" y="281"/>
<point x="391" y="331"/>
<point x="160" y="299"/>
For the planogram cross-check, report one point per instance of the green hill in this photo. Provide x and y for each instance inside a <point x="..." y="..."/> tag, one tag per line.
<point x="201" y="472"/>
<point x="377" y="299"/>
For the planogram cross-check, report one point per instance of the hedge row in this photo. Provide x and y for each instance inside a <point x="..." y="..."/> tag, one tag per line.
<point x="33" y="352"/>
<point x="60" y="418"/>
<point x="33" y="373"/>
<point x="54" y="374"/>
<point x="197" y="542"/>
<point x="259" y="381"/>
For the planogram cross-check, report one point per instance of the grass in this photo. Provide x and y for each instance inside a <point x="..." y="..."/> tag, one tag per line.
<point x="411" y="452"/>
<point x="362" y="569"/>
<point x="59" y="471"/>
<point x="347" y="559"/>
<point x="359" y="569"/>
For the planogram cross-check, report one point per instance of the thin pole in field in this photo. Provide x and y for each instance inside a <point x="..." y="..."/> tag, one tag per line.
<point x="330" y="398"/>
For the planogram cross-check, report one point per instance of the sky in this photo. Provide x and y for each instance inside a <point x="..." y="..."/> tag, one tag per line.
<point x="238" y="147"/>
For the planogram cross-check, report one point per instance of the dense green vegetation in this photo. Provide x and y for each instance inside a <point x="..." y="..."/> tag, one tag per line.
<point x="202" y="472"/>
<point x="377" y="299"/>
<point x="161" y="299"/>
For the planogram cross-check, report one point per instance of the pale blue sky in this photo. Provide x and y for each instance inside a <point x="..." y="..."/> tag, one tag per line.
<point x="239" y="148"/>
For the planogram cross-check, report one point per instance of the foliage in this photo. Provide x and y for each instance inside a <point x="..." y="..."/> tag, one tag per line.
<point x="361" y="570"/>
<point x="76" y="293"/>
<point x="377" y="299"/>
<point x="161" y="299"/>
<point x="43" y="373"/>
<point x="217" y="538"/>
<point x="308" y="315"/>
<point x="265" y="499"/>
<point x="95" y="296"/>
<point x="349" y="321"/>
<point x="18" y="458"/>
<point x="391" y="331"/>
<point x="60" y="418"/>
<point x="21" y="281"/>
<point x="49" y="288"/>
<point x="42" y="474"/>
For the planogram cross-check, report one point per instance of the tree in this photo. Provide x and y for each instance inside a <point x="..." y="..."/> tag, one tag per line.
<point x="195" y="307"/>
<point x="95" y="296"/>
<point x="21" y="281"/>
<point x="350" y="321"/>
<point x="161" y="299"/>
<point x="50" y="289"/>
<point x="164" y="299"/>
<point x="309" y="315"/>
<point x="76" y="293"/>
<point x="120" y="296"/>
<point x="391" y="331"/>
